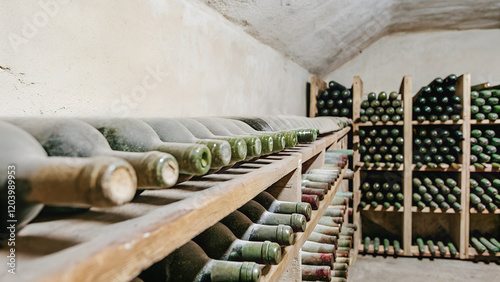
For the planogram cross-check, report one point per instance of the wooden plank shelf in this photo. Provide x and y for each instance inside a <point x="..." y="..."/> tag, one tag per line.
<point x="362" y="166"/>
<point x="488" y="168"/>
<point x="458" y="167"/>
<point x="273" y="272"/>
<point x="428" y="210"/>
<point x="473" y="121"/>
<point x="427" y="253"/>
<point x="473" y="254"/>
<point x="380" y="123"/>
<point x="448" y="122"/>
<point x="381" y="252"/>
<point x="473" y="210"/>
<point x="380" y="208"/>
<point x="116" y="244"/>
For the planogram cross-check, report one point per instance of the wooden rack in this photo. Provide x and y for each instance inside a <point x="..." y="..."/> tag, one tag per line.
<point x="116" y="244"/>
<point x="411" y="218"/>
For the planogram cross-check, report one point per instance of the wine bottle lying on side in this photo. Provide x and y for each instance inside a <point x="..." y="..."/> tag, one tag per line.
<point x="38" y="179"/>
<point x="191" y="263"/>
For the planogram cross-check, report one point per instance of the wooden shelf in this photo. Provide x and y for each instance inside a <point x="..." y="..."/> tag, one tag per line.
<point x="381" y="251"/>
<point x="489" y="168"/>
<point x="425" y="168"/>
<point x="116" y="244"/>
<point x="273" y="272"/>
<point x="473" y="210"/>
<point x="428" y="210"/>
<point x="380" y="123"/>
<point x="380" y="208"/>
<point x="448" y="122"/>
<point x="382" y="167"/>
<point x="427" y="254"/>
<point x="473" y="121"/>
<point x="473" y="254"/>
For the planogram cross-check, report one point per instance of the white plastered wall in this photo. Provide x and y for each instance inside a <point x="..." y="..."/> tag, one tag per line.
<point x="424" y="56"/>
<point x="138" y="58"/>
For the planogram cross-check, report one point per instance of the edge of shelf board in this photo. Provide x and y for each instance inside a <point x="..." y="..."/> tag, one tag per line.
<point x="380" y="123"/>
<point x="473" y="121"/>
<point x="427" y="254"/>
<point x="380" y="208"/>
<point x="474" y="211"/>
<point x="489" y="168"/>
<point x="474" y="254"/>
<point x="361" y="166"/>
<point x="425" y="168"/>
<point x="381" y="252"/>
<point x="414" y="122"/>
<point x="272" y="272"/>
<point x="438" y="210"/>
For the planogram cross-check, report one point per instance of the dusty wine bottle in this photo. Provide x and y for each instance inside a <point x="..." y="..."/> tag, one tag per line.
<point x="317" y="259"/>
<point x="316" y="273"/>
<point x="220" y="243"/>
<point x="170" y="130"/>
<point x="134" y="135"/>
<point x="271" y="204"/>
<point x="191" y="263"/>
<point x="258" y="214"/>
<point x="60" y="181"/>
<point x="75" y="138"/>
<point x="245" y="229"/>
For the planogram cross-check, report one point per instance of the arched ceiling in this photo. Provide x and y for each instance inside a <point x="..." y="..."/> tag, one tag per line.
<point x="323" y="35"/>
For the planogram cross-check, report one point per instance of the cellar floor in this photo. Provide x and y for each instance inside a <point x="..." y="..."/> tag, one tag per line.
<point x="369" y="268"/>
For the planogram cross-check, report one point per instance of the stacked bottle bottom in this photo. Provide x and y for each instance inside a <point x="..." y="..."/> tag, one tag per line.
<point x="239" y="246"/>
<point x="326" y="253"/>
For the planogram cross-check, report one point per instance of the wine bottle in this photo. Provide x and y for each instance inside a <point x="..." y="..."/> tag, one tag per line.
<point x="317" y="259"/>
<point x="191" y="263"/>
<point x="261" y="125"/>
<point x="220" y="243"/>
<point x="75" y="138"/>
<point x="245" y="229"/>
<point x="279" y="142"/>
<point x="254" y="144"/>
<point x="133" y="135"/>
<point x="271" y="204"/>
<point x="316" y="273"/>
<point x="39" y="179"/>
<point x="314" y="247"/>
<point x="258" y="214"/>
<point x="170" y="130"/>
<point x="322" y="238"/>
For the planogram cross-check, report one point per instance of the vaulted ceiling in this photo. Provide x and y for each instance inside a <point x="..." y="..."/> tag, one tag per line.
<point x="323" y="35"/>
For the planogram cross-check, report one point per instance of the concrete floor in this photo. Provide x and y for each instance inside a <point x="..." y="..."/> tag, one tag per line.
<point x="371" y="269"/>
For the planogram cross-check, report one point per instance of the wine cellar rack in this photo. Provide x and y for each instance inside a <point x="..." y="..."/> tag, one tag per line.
<point x="412" y="219"/>
<point x="116" y="244"/>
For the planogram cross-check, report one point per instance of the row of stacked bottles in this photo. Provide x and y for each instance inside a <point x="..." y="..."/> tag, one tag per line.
<point x="241" y="244"/>
<point x="83" y="163"/>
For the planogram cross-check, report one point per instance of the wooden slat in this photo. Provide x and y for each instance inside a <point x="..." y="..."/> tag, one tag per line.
<point x="380" y="208"/>
<point x="380" y="123"/>
<point x="273" y="272"/>
<point x="406" y="88"/>
<point x="448" y="122"/>
<point x="357" y="96"/>
<point x="428" y="210"/>
<point x="488" y="168"/>
<point x="425" y="168"/>
<point x="317" y="86"/>
<point x="473" y="210"/>
<point x="380" y="252"/>
<point x="473" y="121"/>
<point x="463" y="91"/>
